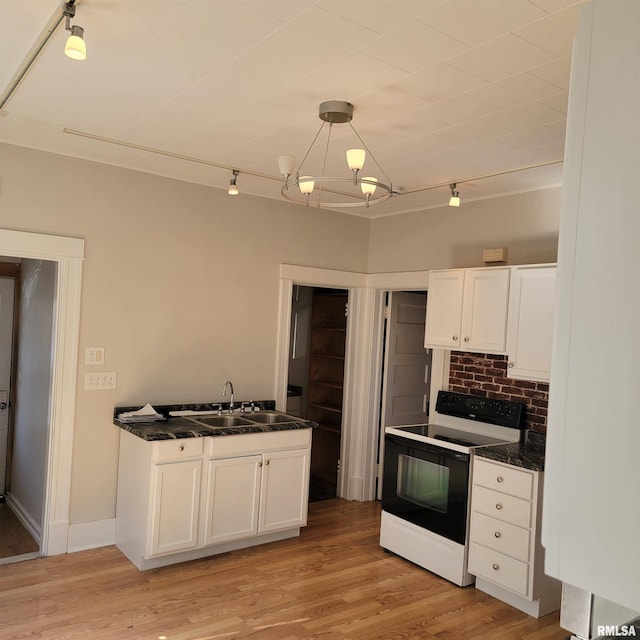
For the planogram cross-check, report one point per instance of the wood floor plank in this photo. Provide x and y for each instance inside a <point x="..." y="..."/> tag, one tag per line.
<point x="334" y="582"/>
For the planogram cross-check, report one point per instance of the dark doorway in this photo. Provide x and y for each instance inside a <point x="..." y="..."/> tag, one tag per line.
<point x="316" y="376"/>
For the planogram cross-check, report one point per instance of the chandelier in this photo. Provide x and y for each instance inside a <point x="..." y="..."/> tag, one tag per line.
<point x="320" y="190"/>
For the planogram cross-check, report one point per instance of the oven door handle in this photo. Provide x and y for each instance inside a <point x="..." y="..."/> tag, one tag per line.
<point x="416" y="445"/>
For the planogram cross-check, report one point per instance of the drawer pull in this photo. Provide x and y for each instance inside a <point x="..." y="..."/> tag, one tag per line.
<point x="497" y="534"/>
<point x="495" y="567"/>
<point x="181" y="447"/>
<point x="455" y="338"/>
<point x="498" y="506"/>
<point x="499" y="479"/>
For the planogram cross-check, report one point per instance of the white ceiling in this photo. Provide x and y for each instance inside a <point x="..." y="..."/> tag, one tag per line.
<point x="443" y="91"/>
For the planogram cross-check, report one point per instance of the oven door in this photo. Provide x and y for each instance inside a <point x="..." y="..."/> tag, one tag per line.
<point x="426" y="485"/>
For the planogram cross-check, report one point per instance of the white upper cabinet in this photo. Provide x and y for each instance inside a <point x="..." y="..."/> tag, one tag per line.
<point x="530" y="328"/>
<point x="467" y="309"/>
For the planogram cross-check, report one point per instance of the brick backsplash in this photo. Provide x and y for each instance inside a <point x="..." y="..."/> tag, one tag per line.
<point x="485" y="375"/>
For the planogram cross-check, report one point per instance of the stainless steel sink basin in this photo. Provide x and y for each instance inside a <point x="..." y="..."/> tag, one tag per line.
<point x="252" y="419"/>
<point x="221" y="421"/>
<point x="270" y="417"/>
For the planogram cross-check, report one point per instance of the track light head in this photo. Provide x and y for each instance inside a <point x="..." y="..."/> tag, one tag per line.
<point x="75" y="47"/>
<point x="454" y="200"/>
<point x="233" y="187"/>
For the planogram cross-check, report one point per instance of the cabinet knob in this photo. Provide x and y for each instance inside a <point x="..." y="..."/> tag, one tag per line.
<point x="495" y="567"/>
<point x="466" y="338"/>
<point x="181" y="447"/>
<point x="266" y="462"/>
<point x="497" y="534"/>
<point x="455" y="338"/>
<point x="511" y="365"/>
<point x="499" y="479"/>
<point x="259" y="464"/>
<point x="498" y="506"/>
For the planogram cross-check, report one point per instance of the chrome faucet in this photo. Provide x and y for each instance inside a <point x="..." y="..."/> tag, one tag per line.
<point x="229" y="384"/>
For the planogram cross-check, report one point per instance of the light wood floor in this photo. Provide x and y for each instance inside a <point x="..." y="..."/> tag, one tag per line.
<point x="332" y="583"/>
<point x="14" y="538"/>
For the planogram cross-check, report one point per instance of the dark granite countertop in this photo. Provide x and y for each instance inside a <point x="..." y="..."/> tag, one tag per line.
<point x="527" y="455"/>
<point x="173" y="427"/>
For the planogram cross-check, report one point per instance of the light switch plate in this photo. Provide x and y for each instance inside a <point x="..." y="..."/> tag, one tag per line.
<point x="94" y="355"/>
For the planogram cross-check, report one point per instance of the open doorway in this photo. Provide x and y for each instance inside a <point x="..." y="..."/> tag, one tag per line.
<point x="315" y="386"/>
<point x="27" y="299"/>
<point x="64" y="257"/>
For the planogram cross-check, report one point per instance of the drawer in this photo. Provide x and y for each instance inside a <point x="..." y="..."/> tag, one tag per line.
<point x="501" y="506"/>
<point x="500" y="536"/>
<point x="499" y="569"/>
<point x="509" y="480"/>
<point x="178" y="449"/>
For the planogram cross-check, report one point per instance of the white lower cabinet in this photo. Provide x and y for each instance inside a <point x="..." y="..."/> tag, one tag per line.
<point x="189" y="498"/>
<point x="505" y="553"/>
<point x="175" y="506"/>
<point x="232" y="498"/>
<point x="256" y="494"/>
<point x="284" y="473"/>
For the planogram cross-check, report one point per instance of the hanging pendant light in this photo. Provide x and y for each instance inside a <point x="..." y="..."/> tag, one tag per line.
<point x="328" y="191"/>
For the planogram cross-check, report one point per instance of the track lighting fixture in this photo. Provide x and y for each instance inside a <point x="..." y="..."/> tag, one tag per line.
<point x="75" y="47"/>
<point x="454" y="200"/>
<point x="233" y="187"/>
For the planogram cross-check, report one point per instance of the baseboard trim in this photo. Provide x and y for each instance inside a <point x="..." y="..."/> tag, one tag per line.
<point x="91" y="535"/>
<point x="27" y="521"/>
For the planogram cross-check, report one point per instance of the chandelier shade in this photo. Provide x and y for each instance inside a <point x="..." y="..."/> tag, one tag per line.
<point x="326" y="191"/>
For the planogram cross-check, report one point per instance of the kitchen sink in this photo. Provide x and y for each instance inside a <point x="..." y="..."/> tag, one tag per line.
<point x="243" y="420"/>
<point x="221" y="421"/>
<point x="270" y="417"/>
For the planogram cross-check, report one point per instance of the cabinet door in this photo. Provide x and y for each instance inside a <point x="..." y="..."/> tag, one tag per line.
<point x="484" y="310"/>
<point x="232" y="495"/>
<point x="285" y="490"/>
<point x="175" y="502"/>
<point x="444" y="308"/>
<point x="530" y="332"/>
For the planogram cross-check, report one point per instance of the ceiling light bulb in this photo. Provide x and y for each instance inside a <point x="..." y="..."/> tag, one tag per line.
<point x="75" y="47"/>
<point x="306" y="184"/>
<point x="355" y="159"/>
<point x="368" y="189"/>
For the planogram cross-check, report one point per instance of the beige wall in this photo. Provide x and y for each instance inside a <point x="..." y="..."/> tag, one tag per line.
<point x="180" y="286"/>
<point x="180" y="281"/>
<point x="527" y="224"/>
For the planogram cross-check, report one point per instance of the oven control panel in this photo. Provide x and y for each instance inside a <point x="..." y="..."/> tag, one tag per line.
<point x="505" y="413"/>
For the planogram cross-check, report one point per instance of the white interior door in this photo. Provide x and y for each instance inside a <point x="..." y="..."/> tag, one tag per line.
<point x="6" y="333"/>
<point x="406" y="377"/>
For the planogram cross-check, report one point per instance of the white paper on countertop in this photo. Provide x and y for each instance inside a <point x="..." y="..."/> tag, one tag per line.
<point x="145" y="413"/>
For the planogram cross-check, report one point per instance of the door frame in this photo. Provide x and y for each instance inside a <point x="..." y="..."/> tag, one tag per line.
<point x="68" y="254"/>
<point x="363" y="362"/>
